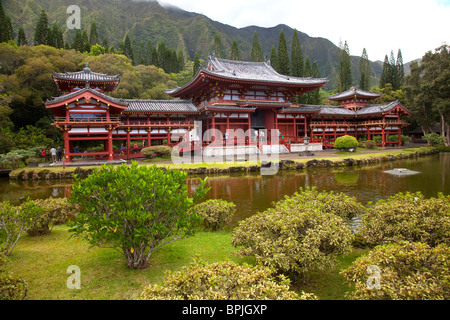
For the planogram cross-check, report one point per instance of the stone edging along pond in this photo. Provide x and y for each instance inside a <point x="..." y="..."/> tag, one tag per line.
<point x="68" y="173"/>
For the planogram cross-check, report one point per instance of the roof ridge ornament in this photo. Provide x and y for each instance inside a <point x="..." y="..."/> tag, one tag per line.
<point x="86" y="68"/>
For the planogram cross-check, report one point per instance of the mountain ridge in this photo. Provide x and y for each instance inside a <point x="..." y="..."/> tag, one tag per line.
<point x="189" y="31"/>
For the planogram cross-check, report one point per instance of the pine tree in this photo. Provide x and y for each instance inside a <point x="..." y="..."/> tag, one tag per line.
<point x="196" y="65"/>
<point x="219" y="50"/>
<point x="85" y="40"/>
<point x="296" y="56"/>
<point x="393" y="71"/>
<point x="105" y="45"/>
<point x="41" y="31"/>
<point x="308" y="70"/>
<point x="127" y="49"/>
<point x="385" y="73"/>
<point x="148" y="58"/>
<point x="78" y="41"/>
<point x="22" y="38"/>
<point x="315" y="95"/>
<point x="364" y="71"/>
<point x="274" y="58"/>
<point x="400" y="70"/>
<point x="155" y="58"/>
<point x="283" y="55"/>
<point x="56" y="36"/>
<point x="234" y="55"/>
<point x="344" y="71"/>
<point x="135" y="56"/>
<point x="141" y="54"/>
<point x="93" y="35"/>
<point x="180" y="58"/>
<point x="256" y="54"/>
<point x="6" y="31"/>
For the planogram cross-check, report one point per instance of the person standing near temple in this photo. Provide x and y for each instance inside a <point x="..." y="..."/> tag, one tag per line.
<point x="43" y="154"/>
<point x="59" y="154"/>
<point x="53" y="154"/>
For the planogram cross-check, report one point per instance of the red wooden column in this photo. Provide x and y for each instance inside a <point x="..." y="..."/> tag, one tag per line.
<point x="110" y="146"/>
<point x="67" y="146"/>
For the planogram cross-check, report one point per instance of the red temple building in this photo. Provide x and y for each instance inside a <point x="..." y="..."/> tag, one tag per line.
<point x="225" y="96"/>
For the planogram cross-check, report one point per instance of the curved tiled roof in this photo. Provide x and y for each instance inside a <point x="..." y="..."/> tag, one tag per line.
<point x="175" y="106"/>
<point x="259" y="71"/>
<point x="85" y="75"/>
<point x="352" y="92"/>
<point x="75" y="93"/>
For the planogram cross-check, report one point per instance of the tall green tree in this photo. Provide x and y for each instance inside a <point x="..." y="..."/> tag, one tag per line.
<point x="234" y="55"/>
<point x="21" y="37"/>
<point x="148" y="57"/>
<point x="219" y="50"/>
<point x="41" y="33"/>
<point x="57" y="36"/>
<point x="93" y="34"/>
<point x="274" y="58"/>
<point x="127" y="48"/>
<point x="428" y="90"/>
<point x="283" y="55"/>
<point x="196" y="65"/>
<point x="364" y="71"/>
<point x="386" y="73"/>
<point x="78" y="41"/>
<point x="297" y="64"/>
<point x="400" y="69"/>
<point x="6" y="31"/>
<point x="345" y="80"/>
<point x="142" y="53"/>
<point x="256" y="54"/>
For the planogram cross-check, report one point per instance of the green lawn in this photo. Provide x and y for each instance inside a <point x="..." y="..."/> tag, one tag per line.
<point x="42" y="261"/>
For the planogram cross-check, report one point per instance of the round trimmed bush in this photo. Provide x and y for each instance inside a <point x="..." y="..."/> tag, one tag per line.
<point x="405" y="271"/>
<point x="407" y="216"/>
<point x="346" y="142"/>
<point x="223" y="281"/>
<point x="158" y="151"/>
<point x="293" y="237"/>
<point x="216" y="213"/>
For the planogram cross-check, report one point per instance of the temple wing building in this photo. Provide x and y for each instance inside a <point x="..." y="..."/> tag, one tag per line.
<point x="223" y="98"/>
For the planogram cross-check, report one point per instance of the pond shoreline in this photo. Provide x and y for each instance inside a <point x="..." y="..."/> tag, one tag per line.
<point x="46" y="173"/>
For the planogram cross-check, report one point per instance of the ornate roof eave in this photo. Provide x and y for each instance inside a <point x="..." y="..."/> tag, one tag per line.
<point x="83" y="93"/>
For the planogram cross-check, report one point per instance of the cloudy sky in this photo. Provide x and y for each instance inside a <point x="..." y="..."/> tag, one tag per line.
<point x="414" y="26"/>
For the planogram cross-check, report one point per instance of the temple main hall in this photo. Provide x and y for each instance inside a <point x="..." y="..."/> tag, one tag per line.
<point x="224" y="97"/>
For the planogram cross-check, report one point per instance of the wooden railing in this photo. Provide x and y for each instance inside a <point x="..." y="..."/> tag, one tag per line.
<point x="96" y="120"/>
<point x="383" y="122"/>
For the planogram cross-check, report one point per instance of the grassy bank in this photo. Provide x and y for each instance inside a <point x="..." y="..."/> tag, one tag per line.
<point x="366" y="157"/>
<point x="42" y="261"/>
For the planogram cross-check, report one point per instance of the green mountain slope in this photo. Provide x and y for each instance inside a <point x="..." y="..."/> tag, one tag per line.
<point x="191" y="32"/>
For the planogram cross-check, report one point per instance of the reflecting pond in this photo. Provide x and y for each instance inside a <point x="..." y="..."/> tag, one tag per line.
<point x="253" y="193"/>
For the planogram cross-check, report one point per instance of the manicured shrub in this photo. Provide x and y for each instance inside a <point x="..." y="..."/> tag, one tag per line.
<point x="159" y="151"/>
<point x="216" y="213"/>
<point x="404" y="271"/>
<point x="407" y="216"/>
<point x="370" y="144"/>
<point x="14" y="222"/>
<point x="11" y="287"/>
<point x="55" y="211"/>
<point x="329" y="202"/>
<point x="293" y="237"/>
<point x="134" y="209"/>
<point x="345" y="142"/>
<point x="223" y="281"/>
<point x="434" y="139"/>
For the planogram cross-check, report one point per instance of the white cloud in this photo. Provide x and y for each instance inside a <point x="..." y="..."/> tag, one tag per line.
<point x="414" y="26"/>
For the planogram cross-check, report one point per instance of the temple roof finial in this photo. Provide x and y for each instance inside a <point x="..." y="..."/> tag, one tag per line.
<point x="86" y="68"/>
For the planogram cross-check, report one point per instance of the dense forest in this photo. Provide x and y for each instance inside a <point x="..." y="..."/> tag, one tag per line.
<point x="147" y="69"/>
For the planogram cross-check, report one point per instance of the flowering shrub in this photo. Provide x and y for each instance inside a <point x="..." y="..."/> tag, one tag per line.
<point x="135" y="209"/>
<point x="407" y="271"/>
<point x="14" y="222"/>
<point x="215" y="213"/>
<point x="330" y="202"/>
<point x="223" y="281"/>
<point x="293" y="237"/>
<point x="407" y="216"/>
<point x="55" y="211"/>
<point x="11" y="288"/>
